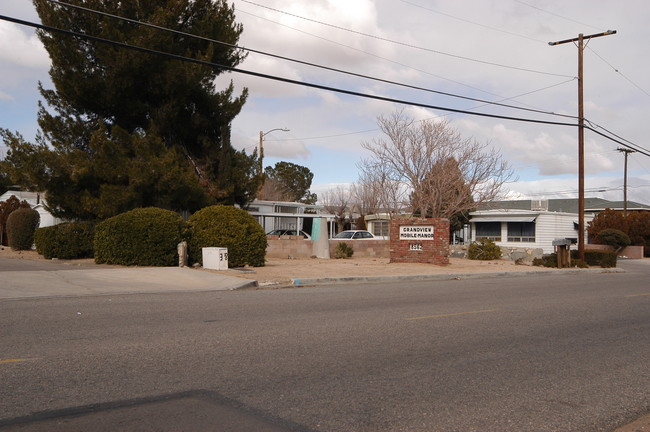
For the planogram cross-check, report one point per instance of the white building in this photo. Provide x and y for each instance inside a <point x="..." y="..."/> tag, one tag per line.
<point x="525" y="228"/>
<point x="36" y="201"/>
<point x="274" y="215"/>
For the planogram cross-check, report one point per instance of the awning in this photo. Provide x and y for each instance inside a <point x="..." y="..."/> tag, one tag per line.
<point x="503" y="219"/>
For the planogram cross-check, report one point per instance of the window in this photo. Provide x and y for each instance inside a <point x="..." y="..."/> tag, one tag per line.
<point x="380" y="228"/>
<point x="523" y="232"/>
<point x="488" y="230"/>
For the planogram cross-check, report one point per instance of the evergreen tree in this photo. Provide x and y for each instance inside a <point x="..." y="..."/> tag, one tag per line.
<point x="132" y="128"/>
<point x="291" y="182"/>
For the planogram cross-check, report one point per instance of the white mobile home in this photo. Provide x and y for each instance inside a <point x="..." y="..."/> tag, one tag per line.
<point x="525" y="228"/>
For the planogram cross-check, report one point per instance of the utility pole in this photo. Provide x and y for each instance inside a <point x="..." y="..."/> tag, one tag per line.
<point x="262" y="134"/>
<point x="581" y="136"/>
<point x="627" y="152"/>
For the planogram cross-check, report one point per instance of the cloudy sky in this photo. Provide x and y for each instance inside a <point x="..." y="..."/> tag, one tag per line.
<point x="493" y="50"/>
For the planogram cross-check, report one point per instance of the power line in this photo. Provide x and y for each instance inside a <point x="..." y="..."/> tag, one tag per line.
<point x="556" y="15"/>
<point x="358" y="75"/>
<point x="386" y="59"/>
<point x="618" y="71"/>
<point x="383" y="39"/>
<point x="302" y="83"/>
<point x="496" y="29"/>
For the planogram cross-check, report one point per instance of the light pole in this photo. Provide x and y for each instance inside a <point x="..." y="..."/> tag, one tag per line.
<point x="262" y="135"/>
<point x="581" y="137"/>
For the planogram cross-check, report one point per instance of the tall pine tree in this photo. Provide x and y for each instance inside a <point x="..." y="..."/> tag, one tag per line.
<point x="124" y="129"/>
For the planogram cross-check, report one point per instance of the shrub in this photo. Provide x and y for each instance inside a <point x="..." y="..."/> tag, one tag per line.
<point x="603" y="259"/>
<point x="66" y="241"/>
<point x="549" y="260"/>
<point x="21" y="225"/>
<point x="484" y="249"/>
<point x="343" y="250"/>
<point x="227" y="227"/>
<point x="613" y="237"/>
<point x="579" y="263"/>
<point x="145" y="237"/>
<point x="6" y="208"/>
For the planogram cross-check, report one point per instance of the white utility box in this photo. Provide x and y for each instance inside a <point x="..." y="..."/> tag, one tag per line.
<point x="215" y="258"/>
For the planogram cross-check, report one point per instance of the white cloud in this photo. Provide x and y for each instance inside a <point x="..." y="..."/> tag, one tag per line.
<point x="20" y="48"/>
<point x="5" y="96"/>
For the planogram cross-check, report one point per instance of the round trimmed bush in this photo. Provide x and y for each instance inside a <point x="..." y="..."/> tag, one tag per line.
<point x="227" y="227"/>
<point x="484" y="249"/>
<point x="145" y="237"/>
<point x="21" y="226"/>
<point x="613" y="237"/>
<point x="66" y="241"/>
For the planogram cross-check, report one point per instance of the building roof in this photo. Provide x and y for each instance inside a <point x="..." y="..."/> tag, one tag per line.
<point x="569" y="205"/>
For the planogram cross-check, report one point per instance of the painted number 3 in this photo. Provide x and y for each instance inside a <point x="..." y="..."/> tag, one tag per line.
<point x="223" y="257"/>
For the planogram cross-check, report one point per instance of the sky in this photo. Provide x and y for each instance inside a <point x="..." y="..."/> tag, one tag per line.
<point x="492" y="50"/>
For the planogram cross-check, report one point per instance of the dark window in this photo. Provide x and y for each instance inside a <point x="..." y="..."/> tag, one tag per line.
<point x="380" y="228"/>
<point x="488" y="230"/>
<point x="521" y="232"/>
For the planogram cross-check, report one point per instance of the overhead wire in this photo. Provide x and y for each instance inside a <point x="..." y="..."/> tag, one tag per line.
<point x="303" y="83"/>
<point x="381" y="57"/>
<point x="408" y="45"/>
<point x="329" y="68"/>
<point x="617" y="70"/>
<point x="496" y="29"/>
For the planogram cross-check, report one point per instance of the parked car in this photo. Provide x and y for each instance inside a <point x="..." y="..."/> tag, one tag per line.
<point x="355" y="235"/>
<point x="282" y="232"/>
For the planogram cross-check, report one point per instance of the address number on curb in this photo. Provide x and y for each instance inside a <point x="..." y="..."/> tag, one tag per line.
<point x="415" y="246"/>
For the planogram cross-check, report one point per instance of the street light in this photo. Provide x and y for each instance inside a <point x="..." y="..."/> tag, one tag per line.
<point x="262" y="135"/>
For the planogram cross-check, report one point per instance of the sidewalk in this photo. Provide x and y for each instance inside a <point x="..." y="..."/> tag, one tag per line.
<point x="26" y="274"/>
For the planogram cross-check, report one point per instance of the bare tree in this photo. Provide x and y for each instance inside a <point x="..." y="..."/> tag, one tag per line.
<point x="337" y="202"/>
<point x="445" y="173"/>
<point x="274" y="190"/>
<point x="390" y="194"/>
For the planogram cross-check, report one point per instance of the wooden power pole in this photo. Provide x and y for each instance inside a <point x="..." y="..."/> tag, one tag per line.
<point x="581" y="136"/>
<point x="627" y="152"/>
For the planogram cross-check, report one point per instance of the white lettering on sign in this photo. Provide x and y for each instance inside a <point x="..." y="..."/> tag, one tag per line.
<point x="416" y="232"/>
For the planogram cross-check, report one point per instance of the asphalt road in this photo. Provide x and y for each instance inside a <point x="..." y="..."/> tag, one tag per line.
<point x="544" y="353"/>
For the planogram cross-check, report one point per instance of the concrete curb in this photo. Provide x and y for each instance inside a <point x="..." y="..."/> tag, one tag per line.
<point x="435" y="277"/>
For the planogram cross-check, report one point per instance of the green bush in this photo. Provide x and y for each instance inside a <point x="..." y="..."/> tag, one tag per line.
<point x="66" y="241"/>
<point x="343" y="250"/>
<point x="484" y="249"/>
<point x="579" y="263"/>
<point x="145" y="237"/>
<point x="613" y="237"/>
<point x="549" y="260"/>
<point x="21" y="226"/>
<point x="605" y="259"/>
<point x="227" y="227"/>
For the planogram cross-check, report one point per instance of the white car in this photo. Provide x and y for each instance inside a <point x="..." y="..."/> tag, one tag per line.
<point x="355" y="235"/>
<point x="283" y="232"/>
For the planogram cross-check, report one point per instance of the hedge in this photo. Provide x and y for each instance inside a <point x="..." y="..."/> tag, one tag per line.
<point x="227" y="227"/>
<point x="66" y="241"/>
<point x="145" y="237"/>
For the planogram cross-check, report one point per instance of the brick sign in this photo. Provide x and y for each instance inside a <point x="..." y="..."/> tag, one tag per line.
<point x="415" y="232"/>
<point x="419" y="240"/>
